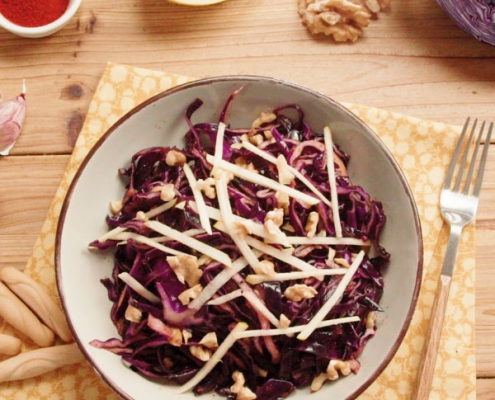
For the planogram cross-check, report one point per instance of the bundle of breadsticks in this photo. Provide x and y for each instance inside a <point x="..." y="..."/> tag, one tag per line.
<point x="29" y="310"/>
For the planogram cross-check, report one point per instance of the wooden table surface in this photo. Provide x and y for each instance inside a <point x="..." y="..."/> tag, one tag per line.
<point x="413" y="59"/>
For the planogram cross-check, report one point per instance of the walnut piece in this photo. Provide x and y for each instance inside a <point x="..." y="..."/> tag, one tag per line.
<point x="344" y="20"/>
<point x="264" y="118"/>
<point x="332" y="373"/>
<point x="265" y="267"/>
<point x="312" y="224"/>
<point x="242" y="391"/>
<point x="207" y="186"/>
<point x="190" y="294"/>
<point x="175" y="158"/>
<point x="299" y="292"/>
<point x="133" y="314"/>
<point x="209" y="340"/>
<point x="200" y="352"/>
<point x="186" y="268"/>
<point x="116" y="206"/>
<point x="285" y="176"/>
<point x="167" y="192"/>
<point x="276" y="216"/>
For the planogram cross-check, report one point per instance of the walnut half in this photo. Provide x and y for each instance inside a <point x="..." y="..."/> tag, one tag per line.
<point x="342" y="19"/>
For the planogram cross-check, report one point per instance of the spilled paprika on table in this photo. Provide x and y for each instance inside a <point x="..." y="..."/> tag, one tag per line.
<point x="33" y="13"/>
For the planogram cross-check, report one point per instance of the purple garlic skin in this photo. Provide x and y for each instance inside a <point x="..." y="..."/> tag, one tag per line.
<point x="12" y="114"/>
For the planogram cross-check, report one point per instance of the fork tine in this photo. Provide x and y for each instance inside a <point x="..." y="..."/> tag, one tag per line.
<point x="481" y="169"/>
<point x="469" y="176"/>
<point x="465" y="155"/>
<point x="455" y="157"/>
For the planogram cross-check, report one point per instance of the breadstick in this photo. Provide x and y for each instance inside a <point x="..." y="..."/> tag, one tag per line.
<point x="10" y="345"/>
<point x="19" y="316"/>
<point x="37" y="299"/>
<point x="40" y="361"/>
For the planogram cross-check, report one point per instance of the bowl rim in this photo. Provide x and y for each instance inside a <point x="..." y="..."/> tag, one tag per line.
<point x="72" y="8"/>
<point x="250" y="78"/>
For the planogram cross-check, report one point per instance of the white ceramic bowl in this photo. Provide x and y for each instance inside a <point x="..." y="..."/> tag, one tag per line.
<point x="160" y="122"/>
<point x="45" y="30"/>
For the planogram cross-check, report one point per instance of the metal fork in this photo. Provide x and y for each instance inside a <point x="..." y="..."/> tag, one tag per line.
<point x="458" y="203"/>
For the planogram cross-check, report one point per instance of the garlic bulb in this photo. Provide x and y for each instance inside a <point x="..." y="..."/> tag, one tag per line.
<point x="12" y="114"/>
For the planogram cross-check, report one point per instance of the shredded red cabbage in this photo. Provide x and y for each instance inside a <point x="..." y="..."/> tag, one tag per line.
<point x="476" y="17"/>
<point x="272" y="366"/>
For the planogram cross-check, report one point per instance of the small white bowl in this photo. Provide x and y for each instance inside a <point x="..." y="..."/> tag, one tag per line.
<point x="196" y="2"/>
<point x="44" y="30"/>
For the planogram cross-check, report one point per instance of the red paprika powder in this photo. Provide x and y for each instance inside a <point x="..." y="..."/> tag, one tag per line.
<point x="32" y="13"/>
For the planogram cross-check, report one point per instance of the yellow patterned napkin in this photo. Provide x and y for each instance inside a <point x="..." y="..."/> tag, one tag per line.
<point x="422" y="148"/>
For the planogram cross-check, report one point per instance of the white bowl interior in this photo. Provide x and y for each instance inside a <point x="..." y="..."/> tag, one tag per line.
<point x="160" y="121"/>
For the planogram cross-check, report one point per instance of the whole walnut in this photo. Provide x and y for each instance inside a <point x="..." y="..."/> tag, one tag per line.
<point x="342" y="19"/>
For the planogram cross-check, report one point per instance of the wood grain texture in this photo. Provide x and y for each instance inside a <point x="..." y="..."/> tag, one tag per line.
<point x="412" y="60"/>
<point x="426" y="368"/>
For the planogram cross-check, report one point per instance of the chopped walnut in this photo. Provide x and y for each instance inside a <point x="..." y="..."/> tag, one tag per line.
<point x="272" y="228"/>
<point x="133" y="314"/>
<point x="176" y="337"/>
<point x="190" y="294"/>
<point x="186" y="268"/>
<point x="332" y="373"/>
<point x="239" y="388"/>
<point x="257" y="139"/>
<point x="217" y="173"/>
<point x="167" y="192"/>
<point x="283" y="201"/>
<point x="116" y="206"/>
<point x="207" y="186"/>
<point x="312" y="224"/>
<point x="200" y="352"/>
<point x="299" y="292"/>
<point x="268" y="134"/>
<point x="331" y="255"/>
<point x="209" y="340"/>
<point x="284" y="321"/>
<point x="175" y="158"/>
<point x="241" y="162"/>
<point x="274" y="218"/>
<point x="264" y="118"/>
<point x="285" y="177"/>
<point x="265" y="267"/>
<point x="186" y="335"/>
<point x="141" y="216"/>
<point x="204" y="260"/>
<point x="342" y="19"/>
<point x="243" y="227"/>
<point x="370" y="320"/>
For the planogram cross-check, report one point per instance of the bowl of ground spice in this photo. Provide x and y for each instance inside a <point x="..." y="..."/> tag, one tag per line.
<point x="36" y="18"/>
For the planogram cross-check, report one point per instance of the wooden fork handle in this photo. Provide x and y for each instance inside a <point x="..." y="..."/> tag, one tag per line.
<point x="424" y="379"/>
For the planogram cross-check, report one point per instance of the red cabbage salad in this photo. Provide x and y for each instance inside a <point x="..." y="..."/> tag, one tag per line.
<point x="246" y="263"/>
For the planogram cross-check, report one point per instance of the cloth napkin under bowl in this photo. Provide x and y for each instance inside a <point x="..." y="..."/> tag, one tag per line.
<point x="423" y="150"/>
